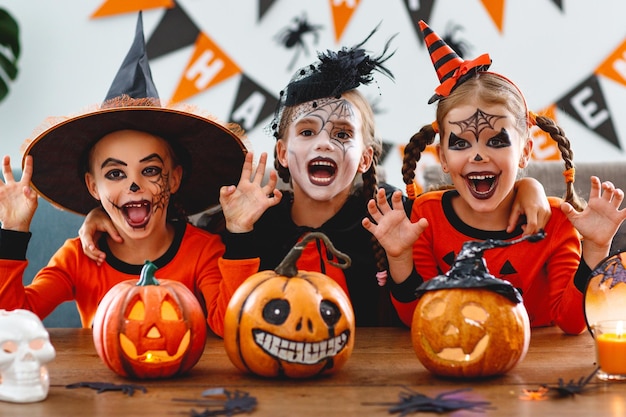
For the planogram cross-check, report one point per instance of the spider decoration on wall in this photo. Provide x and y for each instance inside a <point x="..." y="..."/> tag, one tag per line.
<point x="293" y="37"/>
<point x="561" y="390"/>
<point x="223" y="401"/>
<point x="460" y="46"/>
<point x="100" y="387"/>
<point x="414" y="402"/>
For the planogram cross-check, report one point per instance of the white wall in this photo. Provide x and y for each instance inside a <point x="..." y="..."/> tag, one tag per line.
<point x="68" y="60"/>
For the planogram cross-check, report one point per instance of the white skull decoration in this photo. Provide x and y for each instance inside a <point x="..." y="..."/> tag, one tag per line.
<point x="24" y="349"/>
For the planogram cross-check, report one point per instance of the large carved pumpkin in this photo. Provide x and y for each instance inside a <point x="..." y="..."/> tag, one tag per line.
<point x="467" y="323"/>
<point x="290" y="323"/>
<point x="149" y="328"/>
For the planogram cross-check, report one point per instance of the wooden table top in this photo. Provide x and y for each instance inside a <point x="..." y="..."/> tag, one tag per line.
<point x="382" y="365"/>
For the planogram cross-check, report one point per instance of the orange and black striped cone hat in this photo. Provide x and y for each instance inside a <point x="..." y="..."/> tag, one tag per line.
<point x="451" y="69"/>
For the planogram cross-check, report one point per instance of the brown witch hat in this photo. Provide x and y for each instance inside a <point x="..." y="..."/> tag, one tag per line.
<point x="211" y="154"/>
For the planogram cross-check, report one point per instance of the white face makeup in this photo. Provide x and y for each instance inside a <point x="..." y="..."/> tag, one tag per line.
<point x="25" y="349"/>
<point x="132" y="175"/>
<point x="324" y="148"/>
<point x="482" y="150"/>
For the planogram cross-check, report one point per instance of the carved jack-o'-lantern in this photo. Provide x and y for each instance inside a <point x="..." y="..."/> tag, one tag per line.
<point x="149" y="328"/>
<point x="467" y="323"/>
<point x="290" y="323"/>
<point x="606" y="291"/>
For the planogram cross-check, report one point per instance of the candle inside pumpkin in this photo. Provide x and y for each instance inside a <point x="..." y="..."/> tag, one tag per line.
<point x="611" y="350"/>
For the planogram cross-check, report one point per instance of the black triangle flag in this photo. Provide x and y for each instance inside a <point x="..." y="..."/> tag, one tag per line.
<point x="419" y="10"/>
<point x="252" y="104"/>
<point x="586" y="104"/>
<point x="175" y="31"/>
<point x="263" y="6"/>
<point x="559" y="4"/>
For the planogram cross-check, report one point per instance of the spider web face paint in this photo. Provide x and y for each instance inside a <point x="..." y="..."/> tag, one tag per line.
<point x="478" y="122"/>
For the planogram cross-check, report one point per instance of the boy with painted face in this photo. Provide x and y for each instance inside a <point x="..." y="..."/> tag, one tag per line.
<point x="143" y="164"/>
<point x="484" y="123"/>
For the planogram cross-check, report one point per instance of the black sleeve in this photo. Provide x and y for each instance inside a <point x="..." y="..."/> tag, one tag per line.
<point x="583" y="273"/>
<point x="405" y="292"/>
<point x="13" y="244"/>
<point x="239" y="245"/>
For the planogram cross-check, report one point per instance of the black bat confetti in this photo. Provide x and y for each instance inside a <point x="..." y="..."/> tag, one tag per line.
<point x="100" y="387"/>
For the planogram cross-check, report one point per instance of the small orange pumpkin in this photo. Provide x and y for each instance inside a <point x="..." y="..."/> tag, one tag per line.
<point x="468" y="323"/>
<point x="290" y="323"/>
<point x="149" y="329"/>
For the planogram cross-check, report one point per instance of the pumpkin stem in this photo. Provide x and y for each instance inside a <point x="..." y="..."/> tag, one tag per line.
<point x="147" y="275"/>
<point x="288" y="265"/>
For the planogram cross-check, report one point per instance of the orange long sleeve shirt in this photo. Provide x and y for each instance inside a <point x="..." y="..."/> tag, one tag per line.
<point x="193" y="259"/>
<point x="544" y="272"/>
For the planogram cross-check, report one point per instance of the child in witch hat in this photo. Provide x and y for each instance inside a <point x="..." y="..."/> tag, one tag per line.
<point x="147" y="167"/>
<point x="484" y="123"/>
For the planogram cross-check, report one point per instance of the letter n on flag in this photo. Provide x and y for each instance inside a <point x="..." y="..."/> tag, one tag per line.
<point x="208" y="66"/>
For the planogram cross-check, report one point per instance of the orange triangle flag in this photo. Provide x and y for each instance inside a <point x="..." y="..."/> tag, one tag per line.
<point x="544" y="147"/>
<point x="614" y="67"/>
<point x="113" y="7"/>
<point x="208" y="66"/>
<point x="342" y="11"/>
<point x="495" y="8"/>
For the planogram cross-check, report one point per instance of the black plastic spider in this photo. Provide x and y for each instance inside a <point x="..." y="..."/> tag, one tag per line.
<point x="229" y="403"/>
<point x="572" y="388"/>
<point x="413" y="402"/>
<point x="100" y="387"/>
<point x="293" y="36"/>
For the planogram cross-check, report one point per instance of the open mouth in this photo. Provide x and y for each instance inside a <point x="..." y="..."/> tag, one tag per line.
<point x="482" y="186"/>
<point x="137" y="213"/>
<point x="322" y="171"/>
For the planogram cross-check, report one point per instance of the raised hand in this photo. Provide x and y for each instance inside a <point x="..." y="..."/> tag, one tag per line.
<point x="18" y="201"/>
<point x="96" y="222"/>
<point x="394" y="231"/>
<point x="244" y="204"/>
<point x="599" y="221"/>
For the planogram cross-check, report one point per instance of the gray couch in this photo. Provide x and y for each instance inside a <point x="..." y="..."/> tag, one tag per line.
<point x="50" y="228"/>
<point x="550" y="174"/>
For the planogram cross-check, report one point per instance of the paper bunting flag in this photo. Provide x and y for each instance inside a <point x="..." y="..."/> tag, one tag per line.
<point x="614" y="67"/>
<point x="113" y="7"/>
<point x="495" y="8"/>
<point x="252" y="104"/>
<point x="419" y="10"/>
<point x="263" y="6"/>
<point x="586" y="103"/>
<point x="342" y="13"/>
<point x="208" y="66"/>
<point x="175" y="31"/>
<point x="545" y="148"/>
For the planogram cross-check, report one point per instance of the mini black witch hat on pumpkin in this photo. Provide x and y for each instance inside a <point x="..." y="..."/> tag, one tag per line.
<point x="470" y="270"/>
<point x="210" y="153"/>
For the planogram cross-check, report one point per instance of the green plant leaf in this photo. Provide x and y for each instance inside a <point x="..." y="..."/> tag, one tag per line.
<point x="9" y="50"/>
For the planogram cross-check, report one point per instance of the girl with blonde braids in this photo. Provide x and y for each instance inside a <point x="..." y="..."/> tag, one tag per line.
<point x="483" y="123"/>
